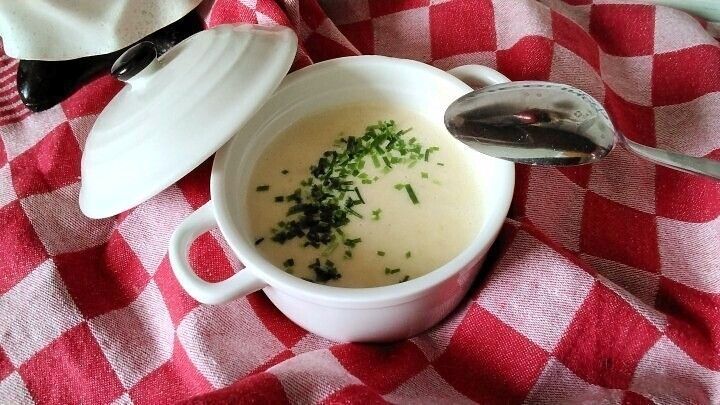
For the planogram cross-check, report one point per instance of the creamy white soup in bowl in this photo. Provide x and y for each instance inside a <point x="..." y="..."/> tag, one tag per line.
<point x="349" y="204"/>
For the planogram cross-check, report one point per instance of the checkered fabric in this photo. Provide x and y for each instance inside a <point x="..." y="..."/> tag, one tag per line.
<point x="604" y="285"/>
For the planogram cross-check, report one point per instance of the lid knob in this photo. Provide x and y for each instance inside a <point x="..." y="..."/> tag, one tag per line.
<point x="136" y="59"/>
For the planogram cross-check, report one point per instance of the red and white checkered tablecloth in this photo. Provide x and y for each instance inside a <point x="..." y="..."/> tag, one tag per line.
<point x="603" y="287"/>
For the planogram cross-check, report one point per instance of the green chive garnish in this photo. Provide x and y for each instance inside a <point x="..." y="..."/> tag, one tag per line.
<point x="408" y="254"/>
<point x="279" y="198"/>
<point x="259" y="241"/>
<point x="376" y="214"/>
<point x="289" y="262"/>
<point x="380" y="253"/>
<point x="411" y="193"/>
<point x="284" y="171"/>
<point x="404" y="279"/>
<point x="391" y="271"/>
<point x="262" y="188"/>
<point x="424" y="175"/>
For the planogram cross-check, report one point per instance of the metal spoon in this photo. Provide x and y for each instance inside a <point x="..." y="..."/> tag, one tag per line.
<point x="542" y="123"/>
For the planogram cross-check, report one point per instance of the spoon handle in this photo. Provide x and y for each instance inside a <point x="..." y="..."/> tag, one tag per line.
<point x="677" y="161"/>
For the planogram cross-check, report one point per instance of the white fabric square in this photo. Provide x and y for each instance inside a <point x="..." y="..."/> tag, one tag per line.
<point x="667" y="375"/>
<point x="629" y="77"/>
<point x="7" y="190"/>
<point x="343" y="12"/>
<point x="434" y="342"/>
<point x="529" y="276"/>
<point x="405" y="34"/>
<point x="691" y="127"/>
<point x="431" y="387"/>
<point x="488" y="59"/>
<point x="123" y="399"/>
<point x="675" y="30"/>
<point x="149" y="226"/>
<point x="690" y="253"/>
<point x="13" y="390"/>
<point x="23" y="135"/>
<point x="554" y="205"/>
<point x="536" y="21"/>
<point x="251" y="4"/>
<point x="34" y="312"/>
<point x="81" y="128"/>
<point x="328" y="377"/>
<point x="626" y="179"/>
<point x="311" y="342"/>
<point x="264" y="20"/>
<point x="640" y="283"/>
<point x="558" y="385"/>
<point x="571" y="69"/>
<point x="136" y="339"/>
<point x="226" y="342"/>
<point x="59" y="223"/>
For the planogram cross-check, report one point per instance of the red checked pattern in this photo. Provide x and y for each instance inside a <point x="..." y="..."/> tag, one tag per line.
<point x="603" y="286"/>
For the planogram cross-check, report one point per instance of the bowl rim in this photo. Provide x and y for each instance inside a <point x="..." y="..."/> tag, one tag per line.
<point x="356" y="297"/>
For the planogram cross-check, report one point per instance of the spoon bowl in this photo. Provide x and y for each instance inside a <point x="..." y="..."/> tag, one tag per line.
<point x="552" y="124"/>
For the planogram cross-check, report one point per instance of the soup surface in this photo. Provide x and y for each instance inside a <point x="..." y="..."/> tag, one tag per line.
<point x="363" y="196"/>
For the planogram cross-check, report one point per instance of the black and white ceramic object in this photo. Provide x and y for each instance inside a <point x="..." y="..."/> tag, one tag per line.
<point x="43" y="84"/>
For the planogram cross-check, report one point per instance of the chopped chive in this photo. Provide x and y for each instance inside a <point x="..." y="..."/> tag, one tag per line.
<point x="376" y="161"/>
<point x="259" y="241"/>
<point x="440" y="164"/>
<point x="404" y="279"/>
<point x="399" y="186"/>
<point x="348" y="254"/>
<point x="279" y="198"/>
<point x="387" y="161"/>
<point x="284" y="171"/>
<point x="355" y="213"/>
<point x="264" y="187"/>
<point x="391" y="271"/>
<point x="376" y="214"/>
<point x="424" y="175"/>
<point x="427" y="154"/>
<point x="289" y="262"/>
<point x="357" y="191"/>
<point x="352" y="242"/>
<point x="380" y="253"/>
<point x="408" y="254"/>
<point x="411" y="193"/>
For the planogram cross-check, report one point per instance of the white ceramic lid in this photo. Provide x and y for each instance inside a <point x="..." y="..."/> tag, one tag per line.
<point x="178" y="111"/>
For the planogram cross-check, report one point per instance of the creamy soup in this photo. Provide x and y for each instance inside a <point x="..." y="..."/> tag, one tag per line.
<point x="363" y="196"/>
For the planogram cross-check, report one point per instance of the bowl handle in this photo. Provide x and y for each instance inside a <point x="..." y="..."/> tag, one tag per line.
<point x="477" y="76"/>
<point x="240" y="284"/>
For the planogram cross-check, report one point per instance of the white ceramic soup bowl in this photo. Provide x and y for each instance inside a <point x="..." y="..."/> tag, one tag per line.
<point x="343" y="314"/>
